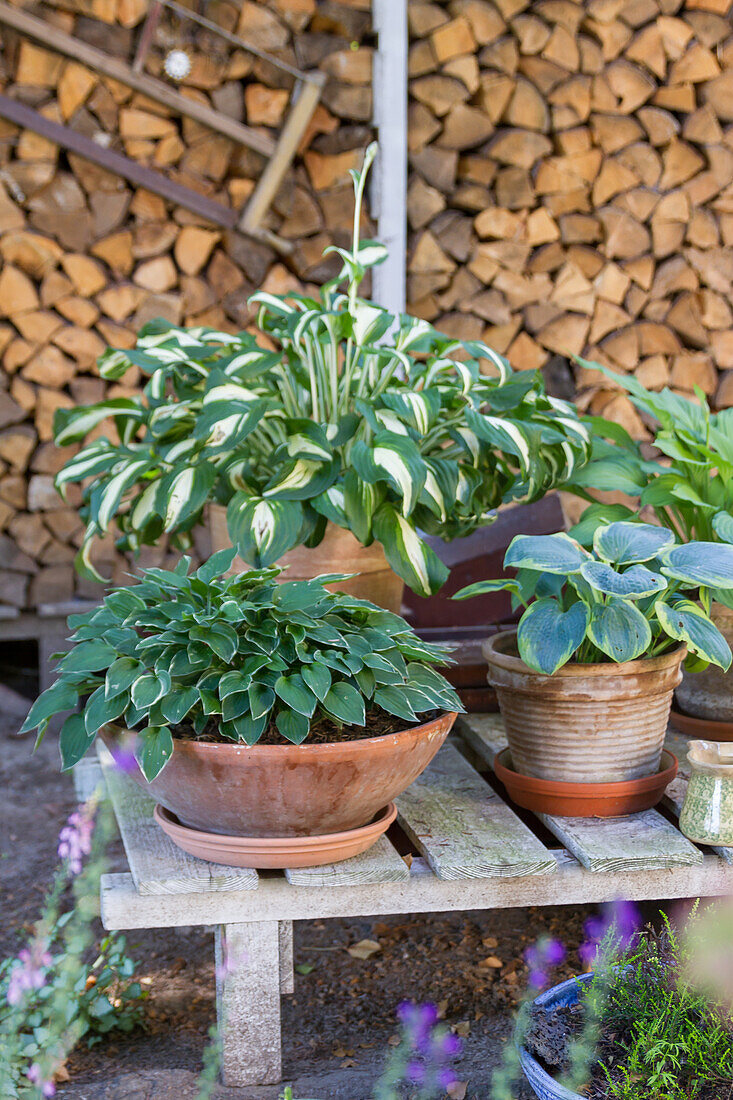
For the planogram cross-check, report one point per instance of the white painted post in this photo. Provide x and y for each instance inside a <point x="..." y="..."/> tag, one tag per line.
<point x="389" y="178"/>
<point x="248" y="1002"/>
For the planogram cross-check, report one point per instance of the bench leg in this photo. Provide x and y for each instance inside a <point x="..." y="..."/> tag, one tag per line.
<point x="248" y="1002"/>
<point x="287" y="977"/>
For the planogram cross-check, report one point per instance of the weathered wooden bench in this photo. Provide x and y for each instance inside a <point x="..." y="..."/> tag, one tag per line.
<point x="471" y="851"/>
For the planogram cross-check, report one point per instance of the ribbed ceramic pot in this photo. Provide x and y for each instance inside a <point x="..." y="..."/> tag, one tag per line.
<point x="588" y="723"/>
<point x="709" y="694"/>
<point x="290" y="790"/>
<point x="338" y="552"/>
<point x="707" y="812"/>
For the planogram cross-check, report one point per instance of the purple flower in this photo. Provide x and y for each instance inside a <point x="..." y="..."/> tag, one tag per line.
<point x="417" y="1022"/>
<point x="35" y="1076"/>
<point x="123" y="753"/>
<point x="545" y="954"/>
<point x="621" y="916"/>
<point x="75" y="839"/>
<point x="29" y="971"/>
<point x="431" y="1045"/>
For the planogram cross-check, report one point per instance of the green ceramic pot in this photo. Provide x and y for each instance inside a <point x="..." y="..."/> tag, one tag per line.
<point x="707" y="813"/>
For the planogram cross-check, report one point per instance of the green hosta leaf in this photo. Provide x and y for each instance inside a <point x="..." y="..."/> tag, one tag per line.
<point x="249" y="729"/>
<point x="687" y="622"/>
<point x="235" y="706"/>
<point x="619" y="630"/>
<point x="220" y="638"/>
<point x="234" y="681"/>
<point x="546" y="553"/>
<point x="318" y="678"/>
<point x="723" y="526"/>
<point x="99" y="710"/>
<point x="292" y="725"/>
<point x="263" y="530"/>
<point x="392" y="699"/>
<point x="147" y="690"/>
<point x="548" y="636"/>
<point x="408" y="554"/>
<point x="485" y="588"/>
<point x="154" y="750"/>
<point x="622" y="543"/>
<point x="261" y="699"/>
<point x="701" y="563"/>
<point x="120" y="675"/>
<point x="74" y="741"/>
<point x="176" y="706"/>
<point x="294" y="691"/>
<point x="620" y="473"/>
<point x="597" y="515"/>
<point x="88" y="657"/>
<point x="184" y="492"/>
<point x="346" y="704"/>
<point x="636" y="582"/>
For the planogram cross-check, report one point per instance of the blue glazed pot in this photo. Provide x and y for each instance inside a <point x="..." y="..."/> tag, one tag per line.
<point x="544" y="1086"/>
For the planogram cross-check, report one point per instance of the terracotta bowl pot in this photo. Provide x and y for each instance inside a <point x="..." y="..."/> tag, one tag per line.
<point x="601" y="723"/>
<point x="709" y="694"/>
<point x="290" y="790"/>
<point x="338" y="552"/>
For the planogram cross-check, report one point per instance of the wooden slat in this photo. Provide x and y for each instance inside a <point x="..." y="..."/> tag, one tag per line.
<point x="464" y="829"/>
<point x="54" y="38"/>
<point x="381" y="863"/>
<point x="157" y="865"/>
<point x="138" y="174"/>
<point x="644" y="841"/>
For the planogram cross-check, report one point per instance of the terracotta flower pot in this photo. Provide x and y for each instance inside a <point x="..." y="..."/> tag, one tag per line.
<point x="290" y="790"/>
<point x="600" y="723"/>
<point x="338" y="552"/>
<point x="709" y="694"/>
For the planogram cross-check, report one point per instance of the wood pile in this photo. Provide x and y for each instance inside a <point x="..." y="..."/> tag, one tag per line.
<point x="86" y="258"/>
<point x="571" y="186"/>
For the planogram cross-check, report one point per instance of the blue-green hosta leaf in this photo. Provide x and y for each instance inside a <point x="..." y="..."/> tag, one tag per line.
<point x="263" y="530"/>
<point x="623" y="542"/>
<point x="121" y="674"/>
<point x="185" y="491"/>
<point x="619" y="630"/>
<point x="59" y="697"/>
<point x="307" y="440"/>
<point x="147" y="690"/>
<point x="393" y="700"/>
<point x="99" y="710"/>
<point x="701" y="563"/>
<point x="249" y="729"/>
<point x="346" y="704"/>
<point x="723" y="526"/>
<point x="294" y="691"/>
<point x="153" y="751"/>
<point x="261" y="699"/>
<point x="235" y="706"/>
<point x="220" y="638"/>
<point x="74" y="741"/>
<point x="408" y="554"/>
<point x="88" y="657"/>
<point x="176" y="706"/>
<point x="318" y="678"/>
<point x="216" y="566"/>
<point x="687" y="622"/>
<point x="636" y="582"/>
<point x="546" y="553"/>
<point x="548" y="636"/>
<point x="293" y="726"/>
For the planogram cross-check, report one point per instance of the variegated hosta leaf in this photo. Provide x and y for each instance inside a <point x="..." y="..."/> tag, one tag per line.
<point x="71" y="425"/>
<point x="705" y="563"/>
<point x="619" y="630"/>
<point x="687" y="622"/>
<point x="263" y="530"/>
<point x="361" y="500"/>
<point x="302" y="480"/>
<point x="723" y="526"/>
<point x="623" y="543"/>
<point x="548" y="636"/>
<point x="395" y="459"/>
<point x="634" y="583"/>
<point x="546" y="553"/>
<point x="503" y="434"/>
<point x="114" y="489"/>
<point x="185" y="492"/>
<point x="419" y="410"/>
<point x="408" y="554"/>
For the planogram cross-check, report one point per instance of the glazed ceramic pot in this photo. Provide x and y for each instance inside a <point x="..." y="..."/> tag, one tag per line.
<point x="543" y="1085"/>
<point x="709" y="694"/>
<point x="290" y="790"/>
<point x="602" y="723"/>
<point x="707" y="813"/>
<point x="338" y="552"/>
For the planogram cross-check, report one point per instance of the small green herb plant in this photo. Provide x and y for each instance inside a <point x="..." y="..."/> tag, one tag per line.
<point x="633" y="595"/>
<point x="690" y="488"/>
<point x="379" y="424"/>
<point x="241" y="651"/>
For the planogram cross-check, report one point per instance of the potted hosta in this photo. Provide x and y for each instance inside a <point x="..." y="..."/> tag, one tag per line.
<point x="586" y="681"/>
<point x="334" y="448"/>
<point x="690" y="491"/>
<point x="255" y="710"/>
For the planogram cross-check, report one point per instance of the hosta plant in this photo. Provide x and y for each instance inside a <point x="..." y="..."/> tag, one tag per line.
<point x="379" y="424"/>
<point x="233" y="658"/>
<point x="633" y="595"/>
<point x="690" y="488"/>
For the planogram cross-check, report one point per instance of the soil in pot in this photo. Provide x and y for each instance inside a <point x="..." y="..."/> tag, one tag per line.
<point x="602" y="723"/>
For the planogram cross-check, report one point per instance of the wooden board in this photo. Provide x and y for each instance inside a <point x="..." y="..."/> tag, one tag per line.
<point x="381" y="863"/>
<point x="644" y="841"/>
<point x="462" y="827"/>
<point x="156" y="864"/>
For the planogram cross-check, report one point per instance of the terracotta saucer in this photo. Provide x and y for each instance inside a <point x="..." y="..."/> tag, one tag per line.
<point x="548" y="796"/>
<point x="275" y="852"/>
<point x="706" y="729"/>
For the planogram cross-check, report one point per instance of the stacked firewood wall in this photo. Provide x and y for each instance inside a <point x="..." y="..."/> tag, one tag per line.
<point x="571" y="186"/>
<point x="86" y="258"/>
